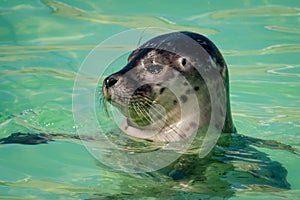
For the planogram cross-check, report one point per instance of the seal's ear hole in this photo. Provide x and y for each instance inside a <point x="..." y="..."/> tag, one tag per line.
<point x="183" y="61"/>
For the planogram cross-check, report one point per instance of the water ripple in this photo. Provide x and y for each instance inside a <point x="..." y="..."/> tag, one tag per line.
<point x="283" y="29"/>
<point x="62" y="74"/>
<point x="68" y="11"/>
<point x="266" y="69"/>
<point x="252" y="12"/>
<point x="273" y="49"/>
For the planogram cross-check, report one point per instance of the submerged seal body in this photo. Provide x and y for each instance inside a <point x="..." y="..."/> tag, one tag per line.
<point x="165" y="77"/>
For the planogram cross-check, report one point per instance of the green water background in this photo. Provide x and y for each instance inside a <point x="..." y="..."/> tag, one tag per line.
<point x="43" y="43"/>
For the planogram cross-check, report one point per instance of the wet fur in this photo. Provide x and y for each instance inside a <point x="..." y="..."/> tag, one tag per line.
<point x="125" y="94"/>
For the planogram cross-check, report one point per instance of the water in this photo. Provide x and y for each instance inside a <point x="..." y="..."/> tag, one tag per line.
<point x="43" y="44"/>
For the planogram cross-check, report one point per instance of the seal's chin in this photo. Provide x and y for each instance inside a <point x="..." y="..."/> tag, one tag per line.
<point x="146" y="132"/>
<point x="158" y="132"/>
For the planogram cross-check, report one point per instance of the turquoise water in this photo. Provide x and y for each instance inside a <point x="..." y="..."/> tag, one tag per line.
<point x="43" y="43"/>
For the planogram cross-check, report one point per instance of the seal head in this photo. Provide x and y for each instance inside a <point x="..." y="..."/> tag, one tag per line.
<point x="168" y="76"/>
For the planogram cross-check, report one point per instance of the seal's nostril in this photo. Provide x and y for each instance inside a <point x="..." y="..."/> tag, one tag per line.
<point x="110" y="81"/>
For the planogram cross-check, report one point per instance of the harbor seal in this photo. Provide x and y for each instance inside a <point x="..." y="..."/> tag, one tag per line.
<point x="161" y="77"/>
<point x="148" y="93"/>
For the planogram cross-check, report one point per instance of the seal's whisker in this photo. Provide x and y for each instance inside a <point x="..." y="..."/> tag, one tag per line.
<point x="140" y="111"/>
<point x="141" y="37"/>
<point x="175" y="129"/>
<point x="139" y="104"/>
<point x="163" y="118"/>
<point x="156" y="112"/>
<point x="105" y="107"/>
<point x="103" y="103"/>
<point x="144" y="113"/>
<point x="151" y="105"/>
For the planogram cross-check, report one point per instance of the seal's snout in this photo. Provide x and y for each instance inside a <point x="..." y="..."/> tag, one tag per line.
<point x="110" y="81"/>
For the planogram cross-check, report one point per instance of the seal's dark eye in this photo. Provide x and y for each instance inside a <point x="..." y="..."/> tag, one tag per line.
<point x="183" y="61"/>
<point x="154" y="69"/>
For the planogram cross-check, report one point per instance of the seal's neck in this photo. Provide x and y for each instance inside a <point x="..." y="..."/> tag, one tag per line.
<point x="228" y="124"/>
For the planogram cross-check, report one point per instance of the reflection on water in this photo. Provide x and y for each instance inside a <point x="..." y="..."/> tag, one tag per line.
<point x="276" y="49"/>
<point x="42" y="46"/>
<point x="284" y="29"/>
<point x="253" y="12"/>
<point x="232" y="167"/>
<point x="65" y="10"/>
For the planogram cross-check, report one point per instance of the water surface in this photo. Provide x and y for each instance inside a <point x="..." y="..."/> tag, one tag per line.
<point x="43" y="43"/>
